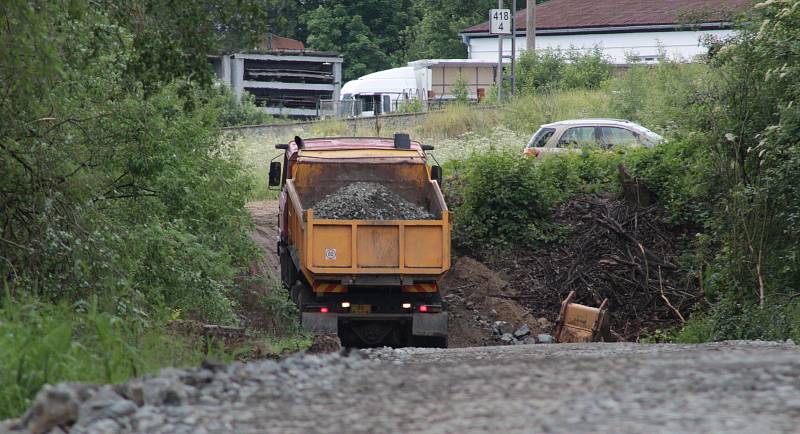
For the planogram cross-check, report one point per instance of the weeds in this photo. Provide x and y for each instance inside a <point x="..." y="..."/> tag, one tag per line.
<point x="44" y="343"/>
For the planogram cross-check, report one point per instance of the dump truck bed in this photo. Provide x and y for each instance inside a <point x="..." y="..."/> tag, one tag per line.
<point x="342" y="250"/>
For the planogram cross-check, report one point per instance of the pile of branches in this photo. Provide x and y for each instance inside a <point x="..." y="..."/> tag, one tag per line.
<point x="615" y="250"/>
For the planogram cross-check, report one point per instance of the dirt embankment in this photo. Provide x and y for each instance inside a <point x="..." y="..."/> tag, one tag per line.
<point x="612" y="249"/>
<point x="477" y="300"/>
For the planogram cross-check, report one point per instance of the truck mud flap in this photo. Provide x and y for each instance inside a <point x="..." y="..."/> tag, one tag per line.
<point x="320" y="323"/>
<point x="429" y="324"/>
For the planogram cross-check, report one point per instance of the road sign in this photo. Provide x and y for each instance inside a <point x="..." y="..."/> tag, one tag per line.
<point x="500" y="21"/>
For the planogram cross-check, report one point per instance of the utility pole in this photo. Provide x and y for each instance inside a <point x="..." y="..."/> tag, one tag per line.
<point x="530" y="26"/>
<point x="513" y="47"/>
<point x="499" y="79"/>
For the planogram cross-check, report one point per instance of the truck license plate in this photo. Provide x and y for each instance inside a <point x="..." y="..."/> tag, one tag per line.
<point x="361" y="308"/>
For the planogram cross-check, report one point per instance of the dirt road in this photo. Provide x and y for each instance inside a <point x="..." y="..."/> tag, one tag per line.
<point x="733" y="387"/>
<point x="265" y="233"/>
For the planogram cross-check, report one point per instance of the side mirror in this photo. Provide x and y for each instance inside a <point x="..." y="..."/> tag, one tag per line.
<point x="274" y="174"/>
<point x="436" y="174"/>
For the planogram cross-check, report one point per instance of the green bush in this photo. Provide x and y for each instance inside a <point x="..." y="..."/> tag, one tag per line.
<point x="414" y="105"/>
<point x="552" y="70"/>
<point x="678" y="173"/>
<point x="108" y="191"/>
<point x="506" y="200"/>
<point x="505" y="203"/>
<point x="586" y="70"/>
<point x="459" y="90"/>
<point x="239" y="111"/>
<point x="44" y="343"/>
<point x="732" y="320"/>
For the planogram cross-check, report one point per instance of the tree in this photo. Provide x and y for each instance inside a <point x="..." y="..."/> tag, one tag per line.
<point x="106" y="190"/>
<point x="436" y="35"/>
<point x="171" y="41"/>
<point x="335" y="29"/>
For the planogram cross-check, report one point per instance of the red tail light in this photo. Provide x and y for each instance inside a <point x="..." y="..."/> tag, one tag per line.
<point x="323" y="310"/>
<point x="423" y="308"/>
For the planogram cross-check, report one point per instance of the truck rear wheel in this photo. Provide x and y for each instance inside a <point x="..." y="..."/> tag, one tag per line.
<point x="301" y="294"/>
<point x="288" y="270"/>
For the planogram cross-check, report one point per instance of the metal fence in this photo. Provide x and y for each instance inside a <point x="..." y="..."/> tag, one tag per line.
<point x="340" y="109"/>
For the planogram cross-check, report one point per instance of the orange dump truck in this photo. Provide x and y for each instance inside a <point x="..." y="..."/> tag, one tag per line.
<point x="373" y="282"/>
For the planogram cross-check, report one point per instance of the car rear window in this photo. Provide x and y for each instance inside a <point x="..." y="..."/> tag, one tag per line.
<point x="541" y="137"/>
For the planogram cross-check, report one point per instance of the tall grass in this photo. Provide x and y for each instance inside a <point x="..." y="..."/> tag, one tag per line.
<point x="527" y="112"/>
<point x="455" y="120"/>
<point x="42" y="343"/>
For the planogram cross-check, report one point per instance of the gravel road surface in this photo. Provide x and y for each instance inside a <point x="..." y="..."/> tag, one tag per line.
<point x="731" y="387"/>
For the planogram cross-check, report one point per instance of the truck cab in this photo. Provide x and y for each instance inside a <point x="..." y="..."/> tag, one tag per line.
<point x="372" y="282"/>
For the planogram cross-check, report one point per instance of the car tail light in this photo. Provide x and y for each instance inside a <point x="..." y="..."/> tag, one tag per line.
<point x="323" y="310"/>
<point x="423" y="308"/>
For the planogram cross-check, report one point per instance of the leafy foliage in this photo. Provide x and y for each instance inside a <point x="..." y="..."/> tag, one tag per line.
<point x="507" y="200"/>
<point x="119" y="199"/>
<point x="459" y="90"/>
<point x="239" y="111"/>
<point x="754" y="121"/>
<point x="169" y="42"/>
<point x="669" y="97"/>
<point x="105" y="190"/>
<point x="553" y="69"/>
<point x="364" y="32"/>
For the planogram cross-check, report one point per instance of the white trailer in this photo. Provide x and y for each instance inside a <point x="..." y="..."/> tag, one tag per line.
<point x="429" y="81"/>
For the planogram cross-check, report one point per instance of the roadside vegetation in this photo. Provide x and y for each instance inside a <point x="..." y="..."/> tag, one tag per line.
<point x="121" y="205"/>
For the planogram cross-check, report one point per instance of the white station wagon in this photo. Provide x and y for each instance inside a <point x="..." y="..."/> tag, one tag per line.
<point x="593" y="133"/>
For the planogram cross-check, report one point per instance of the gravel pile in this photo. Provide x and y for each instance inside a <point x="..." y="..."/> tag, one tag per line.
<point x="368" y="201"/>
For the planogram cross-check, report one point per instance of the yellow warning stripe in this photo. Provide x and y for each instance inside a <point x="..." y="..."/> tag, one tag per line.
<point x="420" y="287"/>
<point x="335" y="288"/>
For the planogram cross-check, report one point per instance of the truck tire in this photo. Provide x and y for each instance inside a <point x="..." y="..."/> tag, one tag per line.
<point x="288" y="270"/>
<point x="301" y="294"/>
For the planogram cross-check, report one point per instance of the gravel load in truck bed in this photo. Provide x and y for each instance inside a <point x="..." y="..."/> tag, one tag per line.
<point x="368" y="201"/>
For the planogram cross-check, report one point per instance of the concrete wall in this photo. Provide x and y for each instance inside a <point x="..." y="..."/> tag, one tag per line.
<point x="683" y="45"/>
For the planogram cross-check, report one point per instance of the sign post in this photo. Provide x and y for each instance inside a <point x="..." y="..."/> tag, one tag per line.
<point x="500" y="24"/>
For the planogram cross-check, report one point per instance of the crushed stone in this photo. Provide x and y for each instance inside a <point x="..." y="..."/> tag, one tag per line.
<point x="368" y="201"/>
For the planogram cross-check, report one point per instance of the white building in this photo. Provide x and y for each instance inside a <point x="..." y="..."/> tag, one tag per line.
<point x="620" y="28"/>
